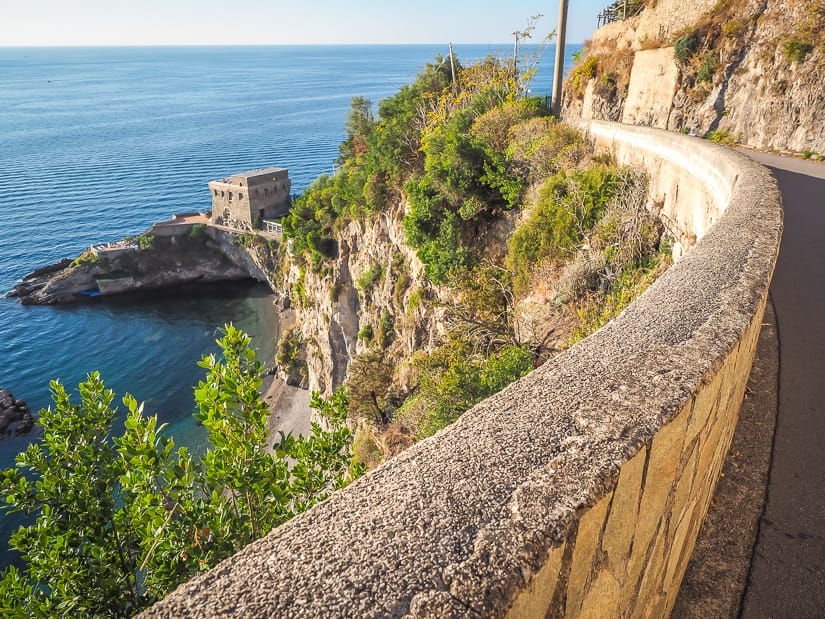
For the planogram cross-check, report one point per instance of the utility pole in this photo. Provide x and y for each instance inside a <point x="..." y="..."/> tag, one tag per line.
<point x="555" y="106"/>
<point x="452" y="68"/>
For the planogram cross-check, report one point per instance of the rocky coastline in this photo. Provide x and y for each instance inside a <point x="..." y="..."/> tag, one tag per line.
<point x="15" y="417"/>
<point x="184" y="250"/>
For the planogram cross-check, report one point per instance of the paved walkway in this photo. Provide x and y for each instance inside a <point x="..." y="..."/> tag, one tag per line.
<point x="787" y="575"/>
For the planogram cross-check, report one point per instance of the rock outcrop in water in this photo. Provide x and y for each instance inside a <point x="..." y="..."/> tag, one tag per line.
<point x="15" y="417"/>
<point x="168" y="254"/>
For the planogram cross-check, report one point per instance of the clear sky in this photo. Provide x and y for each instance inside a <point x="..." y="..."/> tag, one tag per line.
<point x="274" y="22"/>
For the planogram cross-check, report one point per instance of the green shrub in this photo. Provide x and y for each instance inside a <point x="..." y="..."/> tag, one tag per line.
<point x="369" y="278"/>
<point x="197" y="231"/>
<point x="568" y="206"/>
<point x="400" y="287"/>
<point x="584" y="72"/>
<point x="721" y="136"/>
<point x="685" y="46"/>
<point x="87" y="257"/>
<point x="414" y="301"/>
<point x="386" y="329"/>
<point x="366" y="333"/>
<point x="796" y="51"/>
<point x="145" y="241"/>
<point x="118" y="521"/>
<point x="454" y="378"/>
<point x="708" y="68"/>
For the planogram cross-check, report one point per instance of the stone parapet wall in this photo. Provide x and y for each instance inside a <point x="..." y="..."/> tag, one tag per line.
<point x="579" y="489"/>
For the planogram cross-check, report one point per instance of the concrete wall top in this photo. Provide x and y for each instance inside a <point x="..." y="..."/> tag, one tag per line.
<point x="460" y="523"/>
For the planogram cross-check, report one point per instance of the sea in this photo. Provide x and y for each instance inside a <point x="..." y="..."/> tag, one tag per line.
<point x="99" y="143"/>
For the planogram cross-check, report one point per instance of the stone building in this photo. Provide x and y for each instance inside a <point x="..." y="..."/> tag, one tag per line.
<point x="246" y="199"/>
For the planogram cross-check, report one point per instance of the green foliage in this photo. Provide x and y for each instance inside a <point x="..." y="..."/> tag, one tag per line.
<point x="400" y="287"/>
<point x="434" y="230"/>
<point x="569" y="204"/>
<point x="454" y="378"/>
<point x="583" y="72"/>
<point x="708" y="67"/>
<point x="721" y="136"/>
<point x="797" y="51"/>
<point x="414" y="301"/>
<point x="120" y="521"/>
<point x="299" y="288"/>
<point x="145" y="241"/>
<point x="441" y="143"/>
<point x="87" y="257"/>
<point x="601" y="307"/>
<point x="386" y="329"/>
<point x="483" y="308"/>
<point x="368" y="384"/>
<point x="287" y="352"/>
<point x="366" y="333"/>
<point x="685" y="46"/>
<point x="197" y="231"/>
<point x="70" y="487"/>
<point x="541" y="147"/>
<point x="369" y="278"/>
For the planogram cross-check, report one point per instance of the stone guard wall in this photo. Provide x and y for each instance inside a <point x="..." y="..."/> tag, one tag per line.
<point x="576" y="491"/>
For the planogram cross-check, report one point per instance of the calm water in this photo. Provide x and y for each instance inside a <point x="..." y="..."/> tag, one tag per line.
<point x="99" y="143"/>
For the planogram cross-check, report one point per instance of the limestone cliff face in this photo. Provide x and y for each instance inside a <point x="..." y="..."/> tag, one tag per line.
<point x="748" y="69"/>
<point x="374" y="296"/>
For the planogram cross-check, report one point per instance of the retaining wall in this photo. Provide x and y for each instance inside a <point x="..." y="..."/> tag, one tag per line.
<point x="576" y="491"/>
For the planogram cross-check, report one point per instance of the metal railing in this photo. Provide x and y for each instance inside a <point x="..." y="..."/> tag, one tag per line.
<point x="620" y="9"/>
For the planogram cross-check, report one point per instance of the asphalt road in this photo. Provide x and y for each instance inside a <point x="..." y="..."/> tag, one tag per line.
<point x="787" y="574"/>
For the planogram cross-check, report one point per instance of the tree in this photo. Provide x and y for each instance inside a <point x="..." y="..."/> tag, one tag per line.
<point x="118" y="522"/>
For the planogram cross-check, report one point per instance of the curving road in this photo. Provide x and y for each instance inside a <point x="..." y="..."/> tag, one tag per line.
<point x="787" y="573"/>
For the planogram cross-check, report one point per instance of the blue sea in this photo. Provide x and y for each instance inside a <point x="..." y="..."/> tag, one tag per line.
<point x="99" y="143"/>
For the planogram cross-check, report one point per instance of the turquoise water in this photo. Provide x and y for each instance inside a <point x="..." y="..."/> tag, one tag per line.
<point x="99" y="143"/>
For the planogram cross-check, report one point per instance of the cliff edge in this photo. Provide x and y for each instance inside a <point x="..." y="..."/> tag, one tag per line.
<point x="736" y="71"/>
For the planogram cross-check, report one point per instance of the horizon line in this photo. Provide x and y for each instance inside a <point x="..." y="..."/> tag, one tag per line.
<point x="350" y="44"/>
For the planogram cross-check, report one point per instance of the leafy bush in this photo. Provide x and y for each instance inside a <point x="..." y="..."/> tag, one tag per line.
<point x="685" y="46"/>
<point x="708" y="68"/>
<point x="568" y="206"/>
<point x="87" y="257"/>
<point x="369" y="278"/>
<point x="365" y="333"/>
<point x="400" y="287"/>
<point x="119" y="522"/>
<point x="386" y="329"/>
<point x="145" y="241"/>
<point x="797" y="51"/>
<point x="197" y="231"/>
<point x="453" y="379"/>
<point x="582" y="73"/>
<point x="721" y="136"/>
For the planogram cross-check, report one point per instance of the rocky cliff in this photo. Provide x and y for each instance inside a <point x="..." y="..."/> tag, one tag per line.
<point x="746" y="71"/>
<point x="373" y="293"/>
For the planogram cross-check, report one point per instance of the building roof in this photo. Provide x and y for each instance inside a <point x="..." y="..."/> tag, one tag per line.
<point x="260" y="174"/>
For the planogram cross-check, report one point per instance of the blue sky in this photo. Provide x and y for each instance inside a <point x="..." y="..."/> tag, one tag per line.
<point x="273" y="22"/>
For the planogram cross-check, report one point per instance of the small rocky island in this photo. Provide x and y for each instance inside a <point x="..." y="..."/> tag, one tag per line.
<point x="238" y="242"/>
<point x="15" y="417"/>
